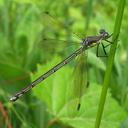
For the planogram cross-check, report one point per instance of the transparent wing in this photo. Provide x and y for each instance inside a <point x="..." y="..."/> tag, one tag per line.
<point x="54" y="24"/>
<point x="53" y="37"/>
<point x="79" y="85"/>
<point x="56" y="44"/>
<point x="51" y="47"/>
<point x="80" y="78"/>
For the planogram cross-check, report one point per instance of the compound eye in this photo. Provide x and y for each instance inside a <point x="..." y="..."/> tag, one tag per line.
<point x="101" y="31"/>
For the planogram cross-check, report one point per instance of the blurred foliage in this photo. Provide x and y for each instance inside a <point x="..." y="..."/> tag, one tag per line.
<point x="22" y="29"/>
<point x="54" y="93"/>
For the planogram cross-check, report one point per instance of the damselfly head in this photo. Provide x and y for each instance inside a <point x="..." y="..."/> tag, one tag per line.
<point x="103" y="33"/>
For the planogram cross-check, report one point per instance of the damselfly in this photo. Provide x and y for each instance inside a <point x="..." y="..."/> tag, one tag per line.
<point x="86" y="43"/>
<point x="81" y="82"/>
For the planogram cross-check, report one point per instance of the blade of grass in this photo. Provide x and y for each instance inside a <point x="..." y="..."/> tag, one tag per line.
<point x="110" y="62"/>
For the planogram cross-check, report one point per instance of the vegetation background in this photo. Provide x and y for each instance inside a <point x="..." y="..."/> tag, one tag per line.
<point x="24" y="56"/>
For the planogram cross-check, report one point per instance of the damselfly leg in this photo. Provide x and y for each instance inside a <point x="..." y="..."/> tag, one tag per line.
<point x="103" y="46"/>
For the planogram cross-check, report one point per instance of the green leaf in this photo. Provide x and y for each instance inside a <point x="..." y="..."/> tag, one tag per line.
<point x="53" y="92"/>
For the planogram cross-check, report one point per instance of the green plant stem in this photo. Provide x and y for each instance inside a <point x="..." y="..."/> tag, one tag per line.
<point x="110" y="62"/>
